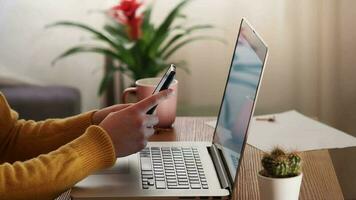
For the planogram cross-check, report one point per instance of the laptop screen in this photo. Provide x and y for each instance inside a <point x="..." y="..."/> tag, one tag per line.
<point x="239" y="96"/>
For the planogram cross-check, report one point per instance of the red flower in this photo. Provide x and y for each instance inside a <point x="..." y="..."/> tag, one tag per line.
<point x="126" y="13"/>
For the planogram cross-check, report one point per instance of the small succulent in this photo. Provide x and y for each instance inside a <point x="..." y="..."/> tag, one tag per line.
<point x="279" y="164"/>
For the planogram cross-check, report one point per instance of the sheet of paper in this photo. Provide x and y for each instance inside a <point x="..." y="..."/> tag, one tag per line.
<point x="294" y="131"/>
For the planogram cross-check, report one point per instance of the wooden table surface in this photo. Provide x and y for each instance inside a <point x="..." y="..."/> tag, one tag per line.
<point x="319" y="178"/>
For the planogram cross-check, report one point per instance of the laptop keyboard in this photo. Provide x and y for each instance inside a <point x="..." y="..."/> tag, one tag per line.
<point x="172" y="168"/>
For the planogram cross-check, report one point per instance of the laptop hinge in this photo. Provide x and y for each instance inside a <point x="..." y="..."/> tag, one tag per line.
<point x="219" y="166"/>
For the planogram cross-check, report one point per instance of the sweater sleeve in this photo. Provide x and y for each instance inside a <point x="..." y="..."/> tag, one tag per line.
<point x="21" y="140"/>
<point x="47" y="175"/>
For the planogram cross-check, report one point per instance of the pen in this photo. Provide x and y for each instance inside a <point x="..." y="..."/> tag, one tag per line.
<point x="269" y="119"/>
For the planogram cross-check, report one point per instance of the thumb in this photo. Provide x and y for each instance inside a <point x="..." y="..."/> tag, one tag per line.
<point x="147" y="103"/>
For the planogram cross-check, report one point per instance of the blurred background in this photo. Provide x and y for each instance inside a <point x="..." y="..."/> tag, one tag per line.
<point x="311" y="64"/>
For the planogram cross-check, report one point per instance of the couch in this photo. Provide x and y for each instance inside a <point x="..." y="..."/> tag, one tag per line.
<point x="42" y="102"/>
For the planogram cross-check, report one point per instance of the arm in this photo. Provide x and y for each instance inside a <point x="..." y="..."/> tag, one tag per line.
<point x="22" y="140"/>
<point x="119" y="134"/>
<point x="46" y="176"/>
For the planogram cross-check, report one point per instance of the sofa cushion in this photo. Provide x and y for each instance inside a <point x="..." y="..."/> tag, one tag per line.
<point x="41" y="102"/>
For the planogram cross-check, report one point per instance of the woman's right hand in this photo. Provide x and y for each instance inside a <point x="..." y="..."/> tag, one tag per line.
<point x="130" y="127"/>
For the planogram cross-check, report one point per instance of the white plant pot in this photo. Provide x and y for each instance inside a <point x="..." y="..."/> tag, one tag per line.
<point x="279" y="188"/>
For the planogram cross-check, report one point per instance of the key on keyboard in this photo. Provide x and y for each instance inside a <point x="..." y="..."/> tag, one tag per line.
<point x="172" y="168"/>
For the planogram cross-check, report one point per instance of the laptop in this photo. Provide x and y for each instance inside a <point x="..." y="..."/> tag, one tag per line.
<point x="192" y="169"/>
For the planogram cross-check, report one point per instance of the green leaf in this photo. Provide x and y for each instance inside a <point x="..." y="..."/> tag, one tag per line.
<point x="187" y="41"/>
<point x="147" y="26"/>
<point x="147" y="15"/>
<point x="121" y="51"/>
<point x="157" y="66"/>
<point x="147" y="35"/>
<point x="185" y="33"/>
<point x="86" y="49"/>
<point x="117" y="31"/>
<point x="178" y="27"/>
<point x="171" y="42"/>
<point x="99" y="35"/>
<point x="182" y="16"/>
<point x="163" y="30"/>
<point x="199" y="27"/>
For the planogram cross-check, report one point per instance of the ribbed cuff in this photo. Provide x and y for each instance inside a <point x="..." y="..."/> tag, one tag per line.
<point x="95" y="149"/>
<point x="79" y="123"/>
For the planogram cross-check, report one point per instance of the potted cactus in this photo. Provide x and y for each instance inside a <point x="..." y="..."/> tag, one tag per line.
<point x="281" y="176"/>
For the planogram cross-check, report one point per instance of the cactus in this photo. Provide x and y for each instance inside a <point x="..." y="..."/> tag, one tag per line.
<point x="279" y="164"/>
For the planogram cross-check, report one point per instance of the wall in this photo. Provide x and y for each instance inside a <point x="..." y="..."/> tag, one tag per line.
<point x="310" y="67"/>
<point x="210" y="61"/>
<point x="23" y="36"/>
<point x="345" y="94"/>
<point x="27" y="48"/>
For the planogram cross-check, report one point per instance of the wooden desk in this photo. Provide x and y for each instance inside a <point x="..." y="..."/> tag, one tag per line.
<point x="319" y="178"/>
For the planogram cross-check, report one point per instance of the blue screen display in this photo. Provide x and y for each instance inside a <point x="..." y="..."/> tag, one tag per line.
<point x="239" y="97"/>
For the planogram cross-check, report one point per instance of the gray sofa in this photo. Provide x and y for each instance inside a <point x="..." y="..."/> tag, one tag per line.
<point x="42" y="102"/>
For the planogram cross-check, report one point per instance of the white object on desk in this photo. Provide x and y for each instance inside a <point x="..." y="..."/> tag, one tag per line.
<point x="294" y="131"/>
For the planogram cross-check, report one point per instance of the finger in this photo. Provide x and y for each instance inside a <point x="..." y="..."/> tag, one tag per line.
<point x="147" y="103"/>
<point x="121" y="106"/>
<point x="115" y="108"/>
<point x="149" y="132"/>
<point x="150" y="120"/>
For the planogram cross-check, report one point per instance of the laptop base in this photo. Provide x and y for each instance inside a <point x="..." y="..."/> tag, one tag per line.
<point x="124" y="179"/>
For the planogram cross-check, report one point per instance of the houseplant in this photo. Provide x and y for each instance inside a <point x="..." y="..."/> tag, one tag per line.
<point x="281" y="176"/>
<point x="138" y="47"/>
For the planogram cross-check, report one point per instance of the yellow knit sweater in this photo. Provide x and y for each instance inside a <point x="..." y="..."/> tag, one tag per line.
<point x="39" y="160"/>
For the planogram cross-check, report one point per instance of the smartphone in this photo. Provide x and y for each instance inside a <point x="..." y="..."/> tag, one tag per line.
<point x="164" y="83"/>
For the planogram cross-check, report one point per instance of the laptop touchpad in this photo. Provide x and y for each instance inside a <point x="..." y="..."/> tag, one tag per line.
<point x="121" y="167"/>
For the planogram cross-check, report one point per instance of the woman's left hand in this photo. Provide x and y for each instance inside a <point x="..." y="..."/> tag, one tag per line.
<point x="100" y="115"/>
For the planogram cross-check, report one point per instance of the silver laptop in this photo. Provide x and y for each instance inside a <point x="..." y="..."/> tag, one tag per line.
<point x="192" y="169"/>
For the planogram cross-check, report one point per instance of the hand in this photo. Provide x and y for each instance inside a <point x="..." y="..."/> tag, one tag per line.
<point x="100" y="115"/>
<point x="129" y="128"/>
